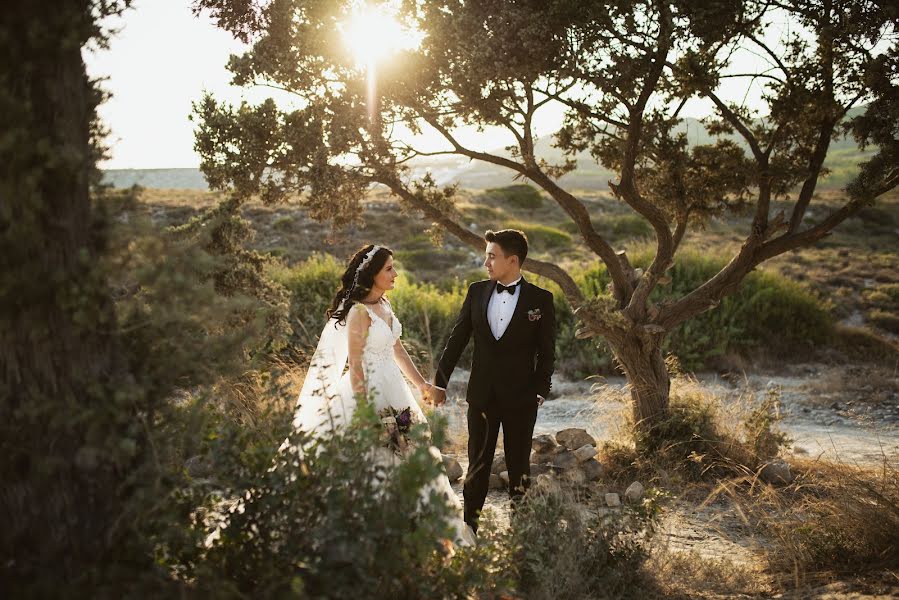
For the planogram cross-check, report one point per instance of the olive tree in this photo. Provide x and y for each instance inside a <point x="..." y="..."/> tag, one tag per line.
<point x="623" y="71"/>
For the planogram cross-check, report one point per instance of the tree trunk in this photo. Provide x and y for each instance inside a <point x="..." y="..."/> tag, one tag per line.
<point x="61" y="482"/>
<point x="641" y="358"/>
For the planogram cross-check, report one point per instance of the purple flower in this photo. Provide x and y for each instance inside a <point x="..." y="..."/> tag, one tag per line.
<point x="404" y="418"/>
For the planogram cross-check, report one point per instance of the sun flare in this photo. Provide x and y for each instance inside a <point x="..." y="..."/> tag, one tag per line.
<point x="373" y="33"/>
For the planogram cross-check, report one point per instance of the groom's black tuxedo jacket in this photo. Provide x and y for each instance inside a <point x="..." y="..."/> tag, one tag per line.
<point x="517" y="366"/>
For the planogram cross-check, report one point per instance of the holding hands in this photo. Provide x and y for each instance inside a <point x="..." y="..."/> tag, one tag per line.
<point x="431" y="394"/>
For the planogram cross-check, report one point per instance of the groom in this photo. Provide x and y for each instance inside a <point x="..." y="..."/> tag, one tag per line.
<point x="513" y="325"/>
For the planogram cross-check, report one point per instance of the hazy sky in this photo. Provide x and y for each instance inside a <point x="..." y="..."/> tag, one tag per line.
<point x="164" y="58"/>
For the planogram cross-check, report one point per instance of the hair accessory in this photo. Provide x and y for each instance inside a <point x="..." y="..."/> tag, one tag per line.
<point x="364" y="263"/>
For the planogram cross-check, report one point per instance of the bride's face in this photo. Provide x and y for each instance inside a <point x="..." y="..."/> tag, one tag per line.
<point x="386" y="277"/>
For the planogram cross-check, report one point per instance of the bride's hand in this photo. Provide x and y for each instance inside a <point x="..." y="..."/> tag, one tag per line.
<point x="426" y="391"/>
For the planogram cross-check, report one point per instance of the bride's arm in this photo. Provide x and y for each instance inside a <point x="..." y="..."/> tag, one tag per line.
<point x="358" y="323"/>
<point x="407" y="366"/>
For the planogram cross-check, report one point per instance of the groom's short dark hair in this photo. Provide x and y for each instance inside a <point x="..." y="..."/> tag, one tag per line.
<point x="511" y="241"/>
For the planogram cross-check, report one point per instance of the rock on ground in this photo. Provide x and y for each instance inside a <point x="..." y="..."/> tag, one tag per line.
<point x="585" y="452"/>
<point x="453" y="468"/>
<point x="573" y="438"/>
<point x="499" y="464"/>
<point x="776" y="472"/>
<point x="593" y="469"/>
<point x="634" y="492"/>
<point x="543" y="443"/>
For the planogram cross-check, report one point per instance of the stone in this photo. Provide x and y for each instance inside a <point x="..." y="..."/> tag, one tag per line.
<point x="499" y="464"/>
<point x="496" y="483"/>
<point x="453" y="468"/>
<point x="585" y="452"/>
<point x="505" y="477"/>
<point x="612" y="500"/>
<point x="634" y="492"/>
<point x="776" y="472"/>
<point x="540" y="458"/>
<point x="538" y="470"/>
<point x="543" y="443"/>
<point x="564" y="460"/>
<point x="593" y="469"/>
<point x="573" y="438"/>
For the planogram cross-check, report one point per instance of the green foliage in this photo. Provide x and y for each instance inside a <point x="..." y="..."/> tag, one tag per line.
<point x="427" y="314"/>
<point x="430" y="259"/>
<point x="520" y="196"/>
<point x="768" y="313"/>
<point x="563" y="552"/>
<point x="225" y="234"/>
<point x="312" y="285"/>
<point x="328" y="522"/>
<point x="543" y="237"/>
<point x="628" y="225"/>
<point x="762" y="437"/>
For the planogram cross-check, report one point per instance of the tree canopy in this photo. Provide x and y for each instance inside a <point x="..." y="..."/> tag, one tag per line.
<point x="623" y="71"/>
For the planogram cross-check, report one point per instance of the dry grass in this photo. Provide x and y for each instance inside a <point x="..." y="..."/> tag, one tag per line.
<point x="691" y="575"/>
<point x="257" y="396"/>
<point x="703" y="438"/>
<point x="834" y="520"/>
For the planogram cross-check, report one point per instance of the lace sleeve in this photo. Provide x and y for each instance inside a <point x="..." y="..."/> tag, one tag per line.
<point x="358" y="323"/>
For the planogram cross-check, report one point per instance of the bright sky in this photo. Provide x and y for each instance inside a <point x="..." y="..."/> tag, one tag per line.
<point x="164" y="58"/>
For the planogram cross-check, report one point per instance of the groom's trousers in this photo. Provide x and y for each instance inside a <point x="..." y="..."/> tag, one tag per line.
<point x="517" y="420"/>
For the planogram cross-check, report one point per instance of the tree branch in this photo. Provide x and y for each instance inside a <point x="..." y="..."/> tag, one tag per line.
<point x="546" y="269"/>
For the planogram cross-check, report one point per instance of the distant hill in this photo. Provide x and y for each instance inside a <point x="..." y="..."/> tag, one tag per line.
<point x="182" y="179"/>
<point x="842" y="159"/>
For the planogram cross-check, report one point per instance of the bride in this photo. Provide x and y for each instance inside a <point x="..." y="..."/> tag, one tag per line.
<point x="363" y="332"/>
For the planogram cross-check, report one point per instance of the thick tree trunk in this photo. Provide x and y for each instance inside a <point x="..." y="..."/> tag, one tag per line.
<point x="643" y="363"/>
<point x="61" y="484"/>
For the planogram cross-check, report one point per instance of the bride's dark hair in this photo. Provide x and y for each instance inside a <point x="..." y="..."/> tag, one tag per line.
<point x="355" y="293"/>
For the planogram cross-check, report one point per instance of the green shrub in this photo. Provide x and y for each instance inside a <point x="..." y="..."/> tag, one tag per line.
<point x="430" y="259"/>
<point x="325" y="523"/>
<point x="312" y="285"/>
<point x="542" y="238"/>
<point x="768" y="314"/>
<point x="562" y="551"/>
<point x="520" y="196"/>
<point x="628" y="225"/>
<point x="283" y="223"/>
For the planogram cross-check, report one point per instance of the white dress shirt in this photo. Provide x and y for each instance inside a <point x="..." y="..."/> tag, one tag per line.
<point x="500" y="309"/>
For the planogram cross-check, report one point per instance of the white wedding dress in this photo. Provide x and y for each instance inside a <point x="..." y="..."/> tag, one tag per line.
<point x="327" y="401"/>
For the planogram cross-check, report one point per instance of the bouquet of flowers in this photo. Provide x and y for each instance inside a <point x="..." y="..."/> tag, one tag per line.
<point x="397" y="424"/>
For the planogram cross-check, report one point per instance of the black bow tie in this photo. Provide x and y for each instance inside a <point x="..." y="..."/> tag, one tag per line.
<point x="500" y="288"/>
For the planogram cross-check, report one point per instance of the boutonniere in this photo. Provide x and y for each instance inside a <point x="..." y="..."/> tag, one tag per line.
<point x="534" y="314"/>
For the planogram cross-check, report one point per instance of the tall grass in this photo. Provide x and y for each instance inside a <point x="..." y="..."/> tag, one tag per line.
<point x="834" y="520"/>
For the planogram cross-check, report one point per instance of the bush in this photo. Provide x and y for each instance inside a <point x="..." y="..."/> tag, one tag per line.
<point x="701" y="438"/>
<point x="312" y="285"/>
<point x="628" y="225"/>
<point x="430" y="259"/>
<point x="542" y="238"/>
<point x="326" y="523"/>
<point x="768" y="314"/>
<point x="520" y="196"/>
<point x="562" y="551"/>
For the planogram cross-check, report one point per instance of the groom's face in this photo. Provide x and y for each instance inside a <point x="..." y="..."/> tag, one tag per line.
<point x="496" y="262"/>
